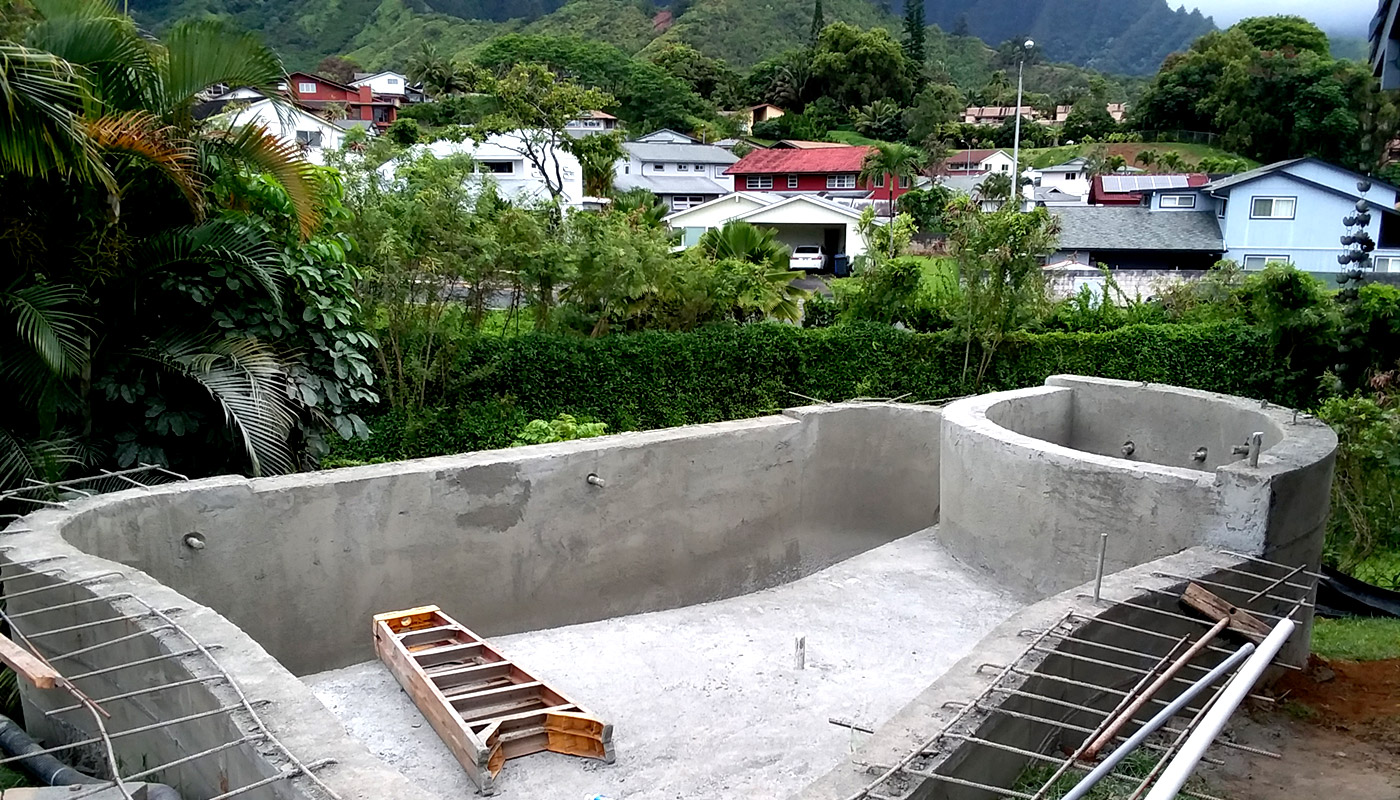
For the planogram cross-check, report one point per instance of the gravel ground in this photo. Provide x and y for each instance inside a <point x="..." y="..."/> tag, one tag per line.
<point x="706" y="701"/>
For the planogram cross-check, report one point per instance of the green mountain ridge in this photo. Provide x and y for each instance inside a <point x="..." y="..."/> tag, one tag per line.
<point x="1116" y="36"/>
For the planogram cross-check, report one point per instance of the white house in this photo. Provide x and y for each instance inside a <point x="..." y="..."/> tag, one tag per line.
<point x="590" y="122"/>
<point x="383" y="84"/>
<point x="798" y="220"/>
<point x="977" y="162"/>
<point x="1068" y="178"/>
<point x="502" y="157"/>
<point x="292" y="125"/>
<point x="676" y="168"/>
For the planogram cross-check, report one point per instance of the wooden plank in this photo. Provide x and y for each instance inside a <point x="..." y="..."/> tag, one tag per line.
<point x="1215" y="607"/>
<point x="486" y="708"/>
<point x="27" y="665"/>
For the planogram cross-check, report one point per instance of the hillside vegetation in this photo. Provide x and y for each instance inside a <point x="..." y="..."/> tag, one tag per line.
<point x="1124" y="36"/>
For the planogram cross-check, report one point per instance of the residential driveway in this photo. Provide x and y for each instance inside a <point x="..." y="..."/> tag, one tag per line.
<point x="813" y="283"/>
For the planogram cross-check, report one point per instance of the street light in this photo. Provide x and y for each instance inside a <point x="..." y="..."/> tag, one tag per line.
<point x="1016" y="149"/>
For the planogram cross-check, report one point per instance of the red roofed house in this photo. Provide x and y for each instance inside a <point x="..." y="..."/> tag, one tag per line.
<point x="826" y="171"/>
<point x="315" y="93"/>
<point x="1120" y="189"/>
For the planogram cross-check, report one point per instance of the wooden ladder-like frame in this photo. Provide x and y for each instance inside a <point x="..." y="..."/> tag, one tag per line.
<point x="485" y="707"/>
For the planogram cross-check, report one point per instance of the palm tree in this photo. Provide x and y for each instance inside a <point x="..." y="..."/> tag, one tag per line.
<point x="436" y="72"/>
<point x="1171" y="161"/>
<point x="91" y="103"/>
<point x="757" y="264"/>
<point x="891" y="164"/>
<point x="1146" y="158"/>
<point x="995" y="188"/>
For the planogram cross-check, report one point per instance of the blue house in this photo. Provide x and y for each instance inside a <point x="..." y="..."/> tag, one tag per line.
<point x="1287" y="212"/>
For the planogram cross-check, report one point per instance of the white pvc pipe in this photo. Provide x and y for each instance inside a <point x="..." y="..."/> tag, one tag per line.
<point x="1086" y="784"/>
<point x="1194" y="748"/>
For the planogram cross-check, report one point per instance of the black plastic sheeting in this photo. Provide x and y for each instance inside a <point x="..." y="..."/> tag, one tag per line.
<point x="1340" y="595"/>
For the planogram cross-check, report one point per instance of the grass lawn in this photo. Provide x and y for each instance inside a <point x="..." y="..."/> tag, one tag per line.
<point x="851" y="137"/>
<point x="1357" y="639"/>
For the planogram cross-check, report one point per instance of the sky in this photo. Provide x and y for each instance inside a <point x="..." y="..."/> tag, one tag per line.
<point x="1347" y="17"/>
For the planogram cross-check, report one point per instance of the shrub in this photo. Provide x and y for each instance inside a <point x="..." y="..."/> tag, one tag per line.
<point x="563" y="428"/>
<point x="658" y="379"/>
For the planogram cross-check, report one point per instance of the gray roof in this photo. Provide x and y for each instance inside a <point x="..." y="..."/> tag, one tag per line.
<point x="347" y="124"/>
<point x="1245" y="177"/>
<point x="662" y="184"/>
<point x="1073" y="165"/>
<point x="1120" y="228"/>
<point x="680" y="153"/>
<point x="1051" y="194"/>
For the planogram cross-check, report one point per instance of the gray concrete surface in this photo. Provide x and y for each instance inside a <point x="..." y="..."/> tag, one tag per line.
<point x="1020" y="498"/>
<point x="516" y="540"/>
<point x="705" y="700"/>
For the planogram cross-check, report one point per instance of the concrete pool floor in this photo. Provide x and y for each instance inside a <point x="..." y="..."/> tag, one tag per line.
<point x="705" y="700"/>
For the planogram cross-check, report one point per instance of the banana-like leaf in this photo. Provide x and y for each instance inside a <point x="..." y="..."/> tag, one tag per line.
<point x="140" y="134"/>
<point x="250" y="383"/>
<point x="44" y="134"/>
<point x="46" y="323"/>
<point x="253" y="146"/>
<point x="204" y="53"/>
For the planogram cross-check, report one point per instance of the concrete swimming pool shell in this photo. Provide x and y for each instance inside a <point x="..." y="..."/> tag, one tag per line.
<point x="226" y="622"/>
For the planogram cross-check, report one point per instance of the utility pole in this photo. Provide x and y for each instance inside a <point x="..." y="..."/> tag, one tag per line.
<point x="1016" y="149"/>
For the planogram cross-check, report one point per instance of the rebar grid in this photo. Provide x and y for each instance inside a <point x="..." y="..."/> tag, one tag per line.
<point x="97" y="709"/>
<point x="1281" y="587"/>
<point x="55" y="494"/>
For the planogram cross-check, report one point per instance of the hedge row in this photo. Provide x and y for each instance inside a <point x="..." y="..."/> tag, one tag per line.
<point x="657" y="379"/>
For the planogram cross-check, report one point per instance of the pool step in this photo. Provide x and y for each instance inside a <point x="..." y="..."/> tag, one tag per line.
<point x="485" y="707"/>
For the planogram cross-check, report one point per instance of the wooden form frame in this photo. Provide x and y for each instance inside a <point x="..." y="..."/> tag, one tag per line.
<point x="485" y="707"/>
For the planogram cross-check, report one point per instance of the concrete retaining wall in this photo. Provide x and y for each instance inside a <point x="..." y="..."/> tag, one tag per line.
<point x="1031" y="479"/>
<point x="516" y="540"/>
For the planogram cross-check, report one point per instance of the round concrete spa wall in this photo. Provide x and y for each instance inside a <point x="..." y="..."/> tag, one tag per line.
<point x="1036" y="481"/>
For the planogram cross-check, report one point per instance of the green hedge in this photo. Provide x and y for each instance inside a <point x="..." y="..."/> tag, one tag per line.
<point x="657" y="379"/>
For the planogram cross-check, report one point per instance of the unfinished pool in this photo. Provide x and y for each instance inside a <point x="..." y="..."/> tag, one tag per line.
<point x="612" y="565"/>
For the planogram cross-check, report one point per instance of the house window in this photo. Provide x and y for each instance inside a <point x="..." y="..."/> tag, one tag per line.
<point x="1273" y="207"/>
<point x="1259" y="262"/>
<point x="1069" y="176"/>
<point x="1386" y="263"/>
<point x="759" y="182"/>
<point x="586" y="123"/>
<point x="1178" y="201"/>
<point x="306" y="87"/>
<point x="392" y="81"/>
<point x="699" y="167"/>
<point x="840" y="181"/>
<point x="1220" y="210"/>
<point x="309" y="138"/>
<point x="658" y="167"/>
<point x="681" y="202"/>
<point x="904" y="182"/>
<point x="627" y="169"/>
<point x="691" y="236"/>
<point x="879" y="181"/>
<point x="498" y="167"/>
<point x="1005" y="167"/>
<point x="792" y="181"/>
<point x="682" y="168"/>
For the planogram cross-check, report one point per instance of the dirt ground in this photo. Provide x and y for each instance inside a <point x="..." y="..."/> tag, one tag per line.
<point x="1336" y="726"/>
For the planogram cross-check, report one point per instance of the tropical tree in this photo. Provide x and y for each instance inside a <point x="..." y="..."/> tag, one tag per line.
<point x="751" y="275"/>
<point x="995" y="188"/>
<point x="1171" y="161"/>
<point x="1147" y="158"/>
<point x="891" y="164"/>
<point x="434" y="71"/>
<point x="162" y="266"/>
<point x="882" y="119"/>
<point x="597" y="154"/>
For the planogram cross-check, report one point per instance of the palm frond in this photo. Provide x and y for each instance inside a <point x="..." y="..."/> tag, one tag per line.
<point x="46" y="323"/>
<point x="250" y="383"/>
<point x="140" y="134"/>
<point x="115" y="60"/>
<point x="36" y="459"/>
<point x="202" y="53"/>
<point x="253" y="146"/>
<point x="215" y="244"/>
<point x="43" y="101"/>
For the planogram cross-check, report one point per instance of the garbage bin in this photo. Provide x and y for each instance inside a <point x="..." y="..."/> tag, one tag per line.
<point x="841" y="265"/>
